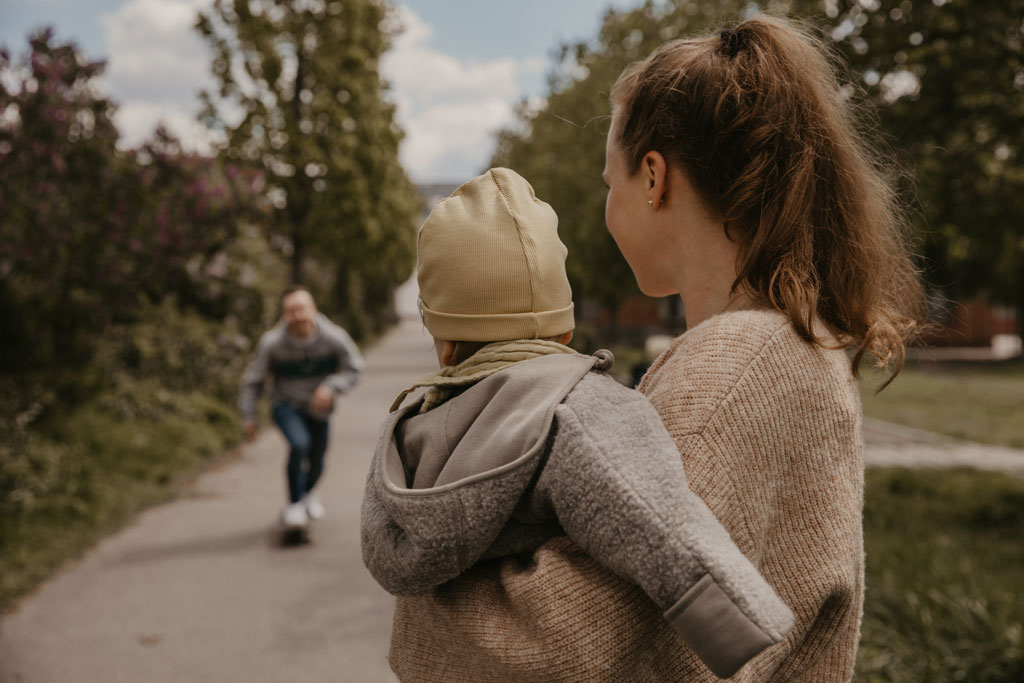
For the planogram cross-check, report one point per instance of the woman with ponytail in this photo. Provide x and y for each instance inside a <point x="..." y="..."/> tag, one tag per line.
<point x="738" y="181"/>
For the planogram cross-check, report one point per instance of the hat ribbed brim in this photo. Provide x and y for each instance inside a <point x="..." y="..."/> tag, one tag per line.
<point x="499" y="326"/>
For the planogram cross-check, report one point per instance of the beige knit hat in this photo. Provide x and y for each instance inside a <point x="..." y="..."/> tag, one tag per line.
<point x="490" y="265"/>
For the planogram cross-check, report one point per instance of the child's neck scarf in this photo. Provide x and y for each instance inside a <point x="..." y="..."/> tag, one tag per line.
<point x="490" y="359"/>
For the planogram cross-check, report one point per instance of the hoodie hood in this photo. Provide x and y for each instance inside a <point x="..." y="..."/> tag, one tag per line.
<point x="445" y="484"/>
<point x="488" y="428"/>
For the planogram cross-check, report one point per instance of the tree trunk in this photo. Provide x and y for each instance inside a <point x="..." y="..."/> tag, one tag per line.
<point x="296" y="213"/>
<point x="297" y="255"/>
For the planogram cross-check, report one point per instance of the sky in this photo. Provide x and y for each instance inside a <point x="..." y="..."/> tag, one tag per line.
<point x="457" y="71"/>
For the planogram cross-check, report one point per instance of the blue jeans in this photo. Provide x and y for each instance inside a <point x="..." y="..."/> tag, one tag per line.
<point x="307" y="437"/>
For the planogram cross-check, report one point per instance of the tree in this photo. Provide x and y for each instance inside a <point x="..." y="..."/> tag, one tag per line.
<point x="85" y="229"/>
<point x="55" y="132"/>
<point x="947" y="80"/>
<point x="941" y="82"/>
<point x="559" y="145"/>
<point x="304" y="76"/>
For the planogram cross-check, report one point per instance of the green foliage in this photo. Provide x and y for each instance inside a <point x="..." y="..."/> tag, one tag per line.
<point x="944" y="561"/>
<point x="559" y="145"/>
<point x="62" y="491"/>
<point x="313" y="121"/>
<point x="68" y="474"/>
<point x="167" y="366"/>
<point x="168" y="352"/>
<point x="948" y="81"/>
<point x="161" y="404"/>
<point x="85" y="228"/>
<point x="59" y="177"/>
<point x="129" y="288"/>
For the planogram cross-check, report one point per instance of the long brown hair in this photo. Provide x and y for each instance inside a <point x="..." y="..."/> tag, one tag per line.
<point x="755" y="117"/>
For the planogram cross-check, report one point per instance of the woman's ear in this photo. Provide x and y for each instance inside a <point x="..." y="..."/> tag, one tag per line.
<point x="655" y="171"/>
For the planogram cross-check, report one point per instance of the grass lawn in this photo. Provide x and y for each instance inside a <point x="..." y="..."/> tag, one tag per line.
<point x="976" y="401"/>
<point x="945" y="565"/>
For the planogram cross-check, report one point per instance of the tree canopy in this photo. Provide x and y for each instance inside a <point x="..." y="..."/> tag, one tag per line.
<point x="947" y="80"/>
<point x="301" y="99"/>
<point x="941" y="84"/>
<point x="86" y="229"/>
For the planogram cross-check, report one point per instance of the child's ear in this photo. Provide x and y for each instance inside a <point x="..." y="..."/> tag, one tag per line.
<point x="447" y="353"/>
<point x="565" y="338"/>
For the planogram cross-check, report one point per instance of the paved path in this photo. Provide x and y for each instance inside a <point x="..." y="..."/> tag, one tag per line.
<point x="199" y="590"/>
<point x="891" y="444"/>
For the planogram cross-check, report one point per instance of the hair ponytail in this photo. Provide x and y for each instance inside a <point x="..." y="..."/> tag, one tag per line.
<point x="754" y="115"/>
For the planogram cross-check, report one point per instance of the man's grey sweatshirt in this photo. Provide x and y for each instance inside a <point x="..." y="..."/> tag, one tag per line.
<point x="299" y="366"/>
<point x="554" y="446"/>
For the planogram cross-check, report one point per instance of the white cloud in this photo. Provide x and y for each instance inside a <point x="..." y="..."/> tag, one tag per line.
<point x="141" y="118"/>
<point x="450" y="109"/>
<point x="157" y="65"/>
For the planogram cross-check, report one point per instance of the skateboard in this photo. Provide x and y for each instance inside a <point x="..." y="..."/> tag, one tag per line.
<point x="293" y="536"/>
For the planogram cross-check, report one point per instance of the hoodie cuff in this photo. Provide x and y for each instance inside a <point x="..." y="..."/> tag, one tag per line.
<point x="716" y="629"/>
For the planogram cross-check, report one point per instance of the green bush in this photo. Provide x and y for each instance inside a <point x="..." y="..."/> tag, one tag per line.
<point x="160" y="405"/>
<point x="84" y="448"/>
<point x="94" y="468"/>
<point x="62" y="492"/>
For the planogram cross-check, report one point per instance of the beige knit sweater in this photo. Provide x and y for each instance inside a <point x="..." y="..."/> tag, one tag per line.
<point x="769" y="430"/>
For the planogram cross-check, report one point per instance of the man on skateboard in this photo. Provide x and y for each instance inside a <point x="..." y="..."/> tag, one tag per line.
<point x="311" y="361"/>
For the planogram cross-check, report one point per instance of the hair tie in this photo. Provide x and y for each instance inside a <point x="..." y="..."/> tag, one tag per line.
<point x="731" y="42"/>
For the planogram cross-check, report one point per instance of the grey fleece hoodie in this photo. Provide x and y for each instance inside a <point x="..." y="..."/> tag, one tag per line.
<point x="549" y="446"/>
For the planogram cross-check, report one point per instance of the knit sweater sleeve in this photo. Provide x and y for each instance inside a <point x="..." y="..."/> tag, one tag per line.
<point x="768" y="429"/>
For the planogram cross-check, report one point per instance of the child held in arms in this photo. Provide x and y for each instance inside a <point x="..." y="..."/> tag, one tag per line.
<point x="518" y="438"/>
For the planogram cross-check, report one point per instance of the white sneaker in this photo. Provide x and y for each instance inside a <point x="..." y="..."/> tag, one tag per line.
<point x="314" y="508"/>
<point x="294" y="516"/>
